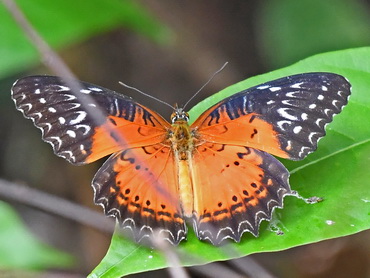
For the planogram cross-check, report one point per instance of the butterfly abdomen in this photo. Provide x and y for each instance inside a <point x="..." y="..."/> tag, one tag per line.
<point x="182" y="142"/>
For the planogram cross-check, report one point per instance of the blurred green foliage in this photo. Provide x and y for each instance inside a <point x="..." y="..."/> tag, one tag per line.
<point x="19" y="249"/>
<point x="63" y="22"/>
<point x="291" y="30"/>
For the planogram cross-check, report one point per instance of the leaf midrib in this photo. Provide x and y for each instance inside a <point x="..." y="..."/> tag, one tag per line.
<point x="354" y="145"/>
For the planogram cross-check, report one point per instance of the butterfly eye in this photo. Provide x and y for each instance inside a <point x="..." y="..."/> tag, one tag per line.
<point x="185" y="116"/>
<point x="179" y="115"/>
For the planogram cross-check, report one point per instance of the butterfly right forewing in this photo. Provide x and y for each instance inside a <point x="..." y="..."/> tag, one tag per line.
<point x="285" y="117"/>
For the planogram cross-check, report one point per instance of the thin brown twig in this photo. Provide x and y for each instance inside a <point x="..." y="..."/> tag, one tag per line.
<point x="251" y="267"/>
<point x="216" y="270"/>
<point x="175" y="269"/>
<point x="56" y="205"/>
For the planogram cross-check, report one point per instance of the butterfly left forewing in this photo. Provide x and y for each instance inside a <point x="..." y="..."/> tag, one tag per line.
<point x="235" y="188"/>
<point x="72" y="131"/>
<point x="285" y="117"/>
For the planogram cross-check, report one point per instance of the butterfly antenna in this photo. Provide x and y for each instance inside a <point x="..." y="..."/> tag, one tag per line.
<point x="145" y="94"/>
<point x="209" y="80"/>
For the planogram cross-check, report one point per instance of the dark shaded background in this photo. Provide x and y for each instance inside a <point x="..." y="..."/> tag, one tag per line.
<point x="208" y="33"/>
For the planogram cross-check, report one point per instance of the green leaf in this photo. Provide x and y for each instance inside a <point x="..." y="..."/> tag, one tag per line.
<point x="337" y="171"/>
<point x="307" y="27"/>
<point x="63" y="22"/>
<point x="19" y="249"/>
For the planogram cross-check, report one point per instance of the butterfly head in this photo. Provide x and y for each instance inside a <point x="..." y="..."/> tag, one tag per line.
<point x="179" y="115"/>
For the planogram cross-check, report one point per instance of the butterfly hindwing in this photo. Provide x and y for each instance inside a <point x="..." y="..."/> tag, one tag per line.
<point x="245" y="186"/>
<point x="139" y="186"/>
<point x="285" y="117"/>
<point x="74" y="134"/>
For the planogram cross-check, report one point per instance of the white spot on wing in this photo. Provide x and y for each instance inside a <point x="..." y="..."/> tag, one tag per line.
<point x="289" y="145"/>
<point x="69" y="97"/>
<point x="74" y="106"/>
<point x="27" y="106"/>
<point x="326" y="111"/>
<point x="71" y="133"/>
<point x="244" y="102"/>
<point x="84" y="91"/>
<point x="296" y="85"/>
<point x="85" y="127"/>
<point x="286" y="102"/>
<point x="270" y="102"/>
<point x="95" y="89"/>
<point x="283" y="113"/>
<point x="262" y="87"/>
<point x="334" y="102"/>
<point x="274" y="89"/>
<point x="37" y="91"/>
<point x="324" y="88"/>
<point x="81" y="116"/>
<point x="297" y="129"/>
<point x="317" y="122"/>
<point x="312" y="106"/>
<point x="302" y="151"/>
<point x="292" y="94"/>
<point x="320" y="97"/>
<point x="58" y="141"/>
<point x="52" y="110"/>
<point x="42" y="100"/>
<point x="38" y="115"/>
<point x="62" y="120"/>
<point x="304" y="116"/>
<point x="48" y="126"/>
<point x="310" y="137"/>
<point x="63" y="88"/>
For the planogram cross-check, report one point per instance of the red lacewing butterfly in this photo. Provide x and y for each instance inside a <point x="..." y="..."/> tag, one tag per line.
<point x="218" y="172"/>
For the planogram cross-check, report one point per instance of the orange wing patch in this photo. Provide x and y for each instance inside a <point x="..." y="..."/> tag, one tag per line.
<point x="139" y="187"/>
<point x="248" y="130"/>
<point x="126" y="134"/>
<point x="249" y="185"/>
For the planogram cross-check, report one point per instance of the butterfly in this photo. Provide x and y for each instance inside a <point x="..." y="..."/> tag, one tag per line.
<point x="219" y="173"/>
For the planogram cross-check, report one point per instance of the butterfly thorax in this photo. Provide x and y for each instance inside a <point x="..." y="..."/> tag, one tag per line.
<point x="180" y="135"/>
<point x="183" y="143"/>
<point x="181" y="139"/>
